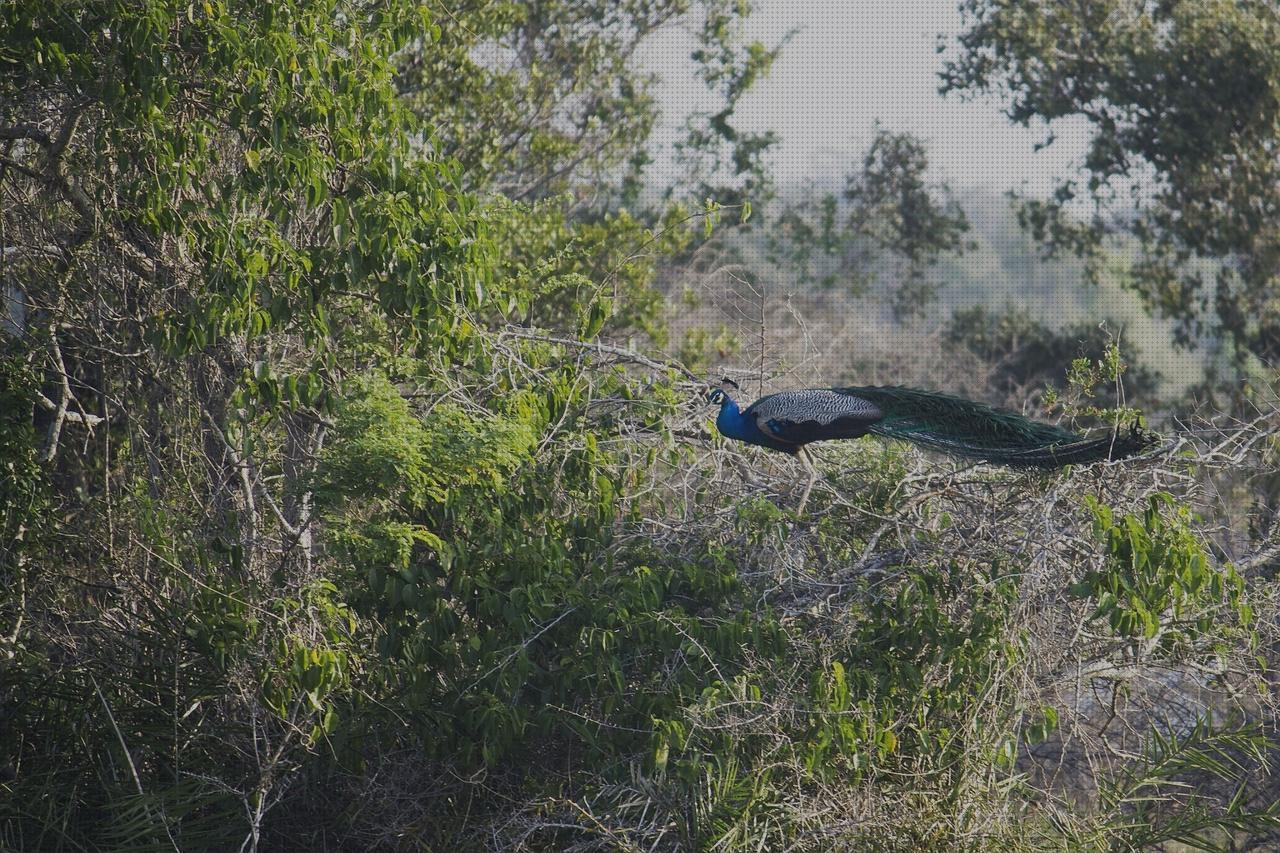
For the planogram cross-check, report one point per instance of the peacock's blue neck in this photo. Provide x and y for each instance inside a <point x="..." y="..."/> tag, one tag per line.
<point x="731" y="422"/>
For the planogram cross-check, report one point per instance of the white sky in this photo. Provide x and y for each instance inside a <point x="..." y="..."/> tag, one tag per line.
<point x="852" y="62"/>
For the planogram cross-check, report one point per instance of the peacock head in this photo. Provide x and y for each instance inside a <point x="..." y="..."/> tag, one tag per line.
<point x="718" y="396"/>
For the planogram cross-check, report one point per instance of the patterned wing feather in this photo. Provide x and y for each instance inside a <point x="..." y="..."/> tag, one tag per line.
<point x="800" y="417"/>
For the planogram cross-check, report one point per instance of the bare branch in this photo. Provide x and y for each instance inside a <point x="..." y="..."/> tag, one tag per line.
<point x="26" y="131"/>
<point x="60" y="409"/>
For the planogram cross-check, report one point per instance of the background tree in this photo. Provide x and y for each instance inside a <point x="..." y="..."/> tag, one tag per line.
<point x="889" y="222"/>
<point x="564" y="110"/>
<point x="722" y="162"/>
<point x="1182" y="99"/>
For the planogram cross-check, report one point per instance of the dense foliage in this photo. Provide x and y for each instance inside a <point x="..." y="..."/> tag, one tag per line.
<point x="346" y="501"/>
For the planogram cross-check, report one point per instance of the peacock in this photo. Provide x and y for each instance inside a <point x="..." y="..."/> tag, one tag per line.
<point x="789" y="420"/>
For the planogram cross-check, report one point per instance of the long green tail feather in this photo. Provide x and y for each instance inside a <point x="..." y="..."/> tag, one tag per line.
<point x="975" y="430"/>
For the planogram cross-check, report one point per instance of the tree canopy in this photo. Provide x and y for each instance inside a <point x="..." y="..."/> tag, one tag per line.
<point x="1182" y="99"/>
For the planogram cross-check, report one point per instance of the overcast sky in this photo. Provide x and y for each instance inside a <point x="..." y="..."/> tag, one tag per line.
<point x="850" y="63"/>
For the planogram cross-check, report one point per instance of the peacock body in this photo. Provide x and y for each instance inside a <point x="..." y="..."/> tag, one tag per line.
<point x="789" y="420"/>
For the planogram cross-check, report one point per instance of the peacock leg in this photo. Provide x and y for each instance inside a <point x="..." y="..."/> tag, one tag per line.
<point x="813" y="476"/>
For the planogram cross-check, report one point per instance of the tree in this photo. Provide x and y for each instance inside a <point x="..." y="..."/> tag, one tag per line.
<point x="223" y="222"/>
<point x="542" y="107"/>
<point x="722" y="162"/>
<point x="562" y="108"/>
<point x="891" y="205"/>
<point x="889" y="222"/>
<point x="207" y="208"/>
<point x="1183" y="99"/>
